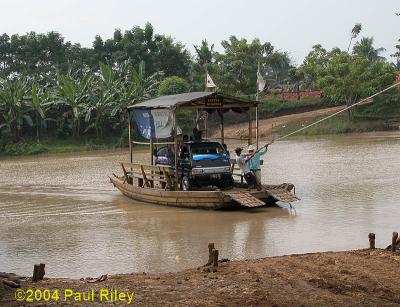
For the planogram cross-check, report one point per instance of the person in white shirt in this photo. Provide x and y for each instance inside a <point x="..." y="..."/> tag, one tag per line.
<point x="247" y="173"/>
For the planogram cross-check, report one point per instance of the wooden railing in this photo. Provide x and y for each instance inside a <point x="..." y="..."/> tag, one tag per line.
<point x="147" y="175"/>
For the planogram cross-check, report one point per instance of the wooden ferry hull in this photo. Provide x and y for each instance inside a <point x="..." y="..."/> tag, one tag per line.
<point x="191" y="199"/>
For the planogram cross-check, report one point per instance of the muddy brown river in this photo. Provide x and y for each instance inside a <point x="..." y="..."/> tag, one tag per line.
<point x="61" y="210"/>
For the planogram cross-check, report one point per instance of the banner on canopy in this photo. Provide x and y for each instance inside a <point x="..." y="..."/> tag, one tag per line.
<point x="155" y="124"/>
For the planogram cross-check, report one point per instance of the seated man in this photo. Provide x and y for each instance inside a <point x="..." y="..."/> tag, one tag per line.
<point x="241" y="162"/>
<point x="197" y="134"/>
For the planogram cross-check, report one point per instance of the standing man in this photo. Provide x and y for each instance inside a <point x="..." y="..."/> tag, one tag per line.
<point x="253" y="161"/>
<point x="241" y="162"/>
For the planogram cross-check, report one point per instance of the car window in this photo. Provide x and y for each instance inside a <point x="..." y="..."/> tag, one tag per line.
<point x="207" y="149"/>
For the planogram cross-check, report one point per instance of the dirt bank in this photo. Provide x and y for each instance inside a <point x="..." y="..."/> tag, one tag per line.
<point x="361" y="278"/>
<point x="265" y="125"/>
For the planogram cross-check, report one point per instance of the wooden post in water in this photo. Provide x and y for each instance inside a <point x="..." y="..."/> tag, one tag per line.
<point x="394" y="241"/>
<point x="210" y="254"/>
<point x="371" y="238"/>
<point x="38" y="272"/>
<point x="215" y="258"/>
<point x="41" y="270"/>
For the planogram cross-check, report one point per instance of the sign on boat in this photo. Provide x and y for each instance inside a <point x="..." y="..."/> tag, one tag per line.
<point x="179" y="179"/>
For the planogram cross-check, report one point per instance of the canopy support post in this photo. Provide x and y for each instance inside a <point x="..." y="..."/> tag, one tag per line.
<point x="250" y="128"/>
<point x="221" y="115"/>
<point x="205" y="124"/>
<point x="257" y="126"/>
<point x="129" y="135"/>
<point x="151" y="151"/>
<point x="176" y="149"/>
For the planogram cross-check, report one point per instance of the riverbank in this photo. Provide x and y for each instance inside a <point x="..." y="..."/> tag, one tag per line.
<point x="362" y="277"/>
<point x="56" y="146"/>
<point x="282" y="125"/>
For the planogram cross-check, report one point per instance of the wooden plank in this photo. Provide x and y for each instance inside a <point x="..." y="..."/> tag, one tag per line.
<point x="146" y="182"/>
<point x="125" y="173"/>
<point x="245" y="199"/>
<point x="282" y="195"/>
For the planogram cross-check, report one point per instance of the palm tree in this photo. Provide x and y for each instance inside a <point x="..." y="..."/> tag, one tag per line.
<point x="396" y="55"/>
<point x="366" y="49"/>
<point x="354" y="33"/>
<point x="204" y="53"/>
<point x="280" y="63"/>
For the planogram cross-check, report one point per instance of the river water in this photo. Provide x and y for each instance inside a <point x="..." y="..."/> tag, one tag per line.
<point x="61" y="210"/>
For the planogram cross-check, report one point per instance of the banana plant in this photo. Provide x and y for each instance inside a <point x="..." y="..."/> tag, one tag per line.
<point x="40" y="102"/>
<point x="13" y="106"/>
<point x="103" y="96"/>
<point x="135" y="87"/>
<point x="75" y="92"/>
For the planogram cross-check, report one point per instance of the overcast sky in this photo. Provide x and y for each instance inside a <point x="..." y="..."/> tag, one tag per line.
<point x="294" y="26"/>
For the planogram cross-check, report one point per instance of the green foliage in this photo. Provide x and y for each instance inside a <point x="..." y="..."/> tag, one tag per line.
<point x="173" y="85"/>
<point x="383" y="107"/>
<point x="52" y="88"/>
<point x="22" y="148"/>
<point x="235" y="69"/>
<point x="346" y="79"/>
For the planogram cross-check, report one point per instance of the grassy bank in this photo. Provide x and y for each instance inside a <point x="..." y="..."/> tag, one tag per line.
<point x="54" y="145"/>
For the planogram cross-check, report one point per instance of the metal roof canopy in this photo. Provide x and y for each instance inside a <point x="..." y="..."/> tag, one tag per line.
<point x="195" y="100"/>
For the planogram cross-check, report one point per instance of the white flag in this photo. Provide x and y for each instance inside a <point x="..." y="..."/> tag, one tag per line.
<point x="260" y="82"/>
<point x="210" y="82"/>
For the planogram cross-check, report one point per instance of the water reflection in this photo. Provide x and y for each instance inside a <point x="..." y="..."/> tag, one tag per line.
<point x="61" y="210"/>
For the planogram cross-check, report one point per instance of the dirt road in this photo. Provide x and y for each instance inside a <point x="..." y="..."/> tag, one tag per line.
<point x="354" y="278"/>
<point x="265" y="125"/>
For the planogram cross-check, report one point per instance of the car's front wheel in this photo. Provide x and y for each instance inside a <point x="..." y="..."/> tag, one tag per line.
<point x="185" y="184"/>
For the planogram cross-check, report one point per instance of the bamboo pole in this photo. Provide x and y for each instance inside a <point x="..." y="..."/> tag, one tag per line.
<point x="151" y="151"/>
<point x="176" y="149"/>
<point x="222" y="126"/>
<point x="250" y="128"/>
<point x="129" y="135"/>
<point x="257" y="127"/>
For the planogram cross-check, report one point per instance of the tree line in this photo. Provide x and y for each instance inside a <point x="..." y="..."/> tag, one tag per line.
<point x="49" y="86"/>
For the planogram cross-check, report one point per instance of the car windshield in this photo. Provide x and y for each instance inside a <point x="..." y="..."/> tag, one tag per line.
<point x="207" y="149"/>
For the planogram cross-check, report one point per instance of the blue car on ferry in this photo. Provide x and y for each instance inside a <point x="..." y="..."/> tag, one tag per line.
<point x="200" y="164"/>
